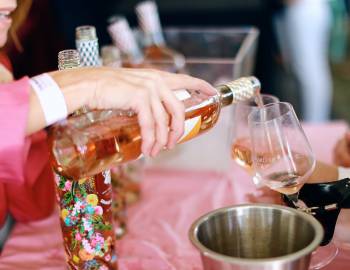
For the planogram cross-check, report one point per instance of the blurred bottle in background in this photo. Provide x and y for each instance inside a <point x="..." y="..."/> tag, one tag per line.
<point x="87" y="45"/>
<point x="124" y="39"/>
<point x="111" y="56"/>
<point x="155" y="49"/>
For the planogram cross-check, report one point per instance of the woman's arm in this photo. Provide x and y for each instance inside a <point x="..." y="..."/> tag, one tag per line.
<point x="324" y="173"/>
<point x="341" y="151"/>
<point x="147" y="92"/>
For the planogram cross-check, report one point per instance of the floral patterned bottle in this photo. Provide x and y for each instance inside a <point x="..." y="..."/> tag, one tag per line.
<point x="85" y="204"/>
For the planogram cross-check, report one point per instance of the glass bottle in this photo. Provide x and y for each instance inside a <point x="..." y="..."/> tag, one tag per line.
<point x="123" y="38"/>
<point x="111" y="56"/>
<point x="85" y="208"/>
<point x="81" y="147"/>
<point x="87" y="45"/>
<point x="126" y="178"/>
<point x="156" y="51"/>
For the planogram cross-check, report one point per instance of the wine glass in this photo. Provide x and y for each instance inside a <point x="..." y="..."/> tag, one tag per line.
<point x="241" y="145"/>
<point x="283" y="159"/>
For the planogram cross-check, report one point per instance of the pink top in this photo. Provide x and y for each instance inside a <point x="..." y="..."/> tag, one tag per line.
<point x="26" y="185"/>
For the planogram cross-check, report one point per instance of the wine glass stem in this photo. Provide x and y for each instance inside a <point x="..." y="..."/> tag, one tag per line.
<point x="294" y="197"/>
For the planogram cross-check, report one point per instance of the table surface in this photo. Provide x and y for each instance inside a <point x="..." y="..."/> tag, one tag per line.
<point x="158" y="225"/>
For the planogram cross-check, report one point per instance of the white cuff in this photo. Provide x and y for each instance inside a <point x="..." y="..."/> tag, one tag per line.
<point x="51" y="98"/>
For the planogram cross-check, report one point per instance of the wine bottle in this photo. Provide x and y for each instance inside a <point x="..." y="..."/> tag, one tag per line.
<point x="87" y="144"/>
<point x="85" y="207"/>
<point x="156" y="51"/>
<point x="123" y="38"/>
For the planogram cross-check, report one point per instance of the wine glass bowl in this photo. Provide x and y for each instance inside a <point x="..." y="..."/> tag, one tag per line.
<point x="281" y="154"/>
<point x="241" y="145"/>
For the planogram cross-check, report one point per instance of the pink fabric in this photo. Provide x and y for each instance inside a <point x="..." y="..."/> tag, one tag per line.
<point x="13" y="119"/>
<point x="26" y="181"/>
<point x="158" y="224"/>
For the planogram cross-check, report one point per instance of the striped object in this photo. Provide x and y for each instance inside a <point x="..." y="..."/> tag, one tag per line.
<point x="87" y="45"/>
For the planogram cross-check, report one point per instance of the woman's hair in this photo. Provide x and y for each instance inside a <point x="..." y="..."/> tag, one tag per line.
<point x="18" y="17"/>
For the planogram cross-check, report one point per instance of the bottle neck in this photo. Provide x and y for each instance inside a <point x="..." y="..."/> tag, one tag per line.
<point x="111" y="56"/>
<point x="68" y="59"/>
<point x="135" y="56"/>
<point x="148" y="17"/>
<point x="238" y="90"/>
<point x="87" y="45"/>
<point x="155" y="38"/>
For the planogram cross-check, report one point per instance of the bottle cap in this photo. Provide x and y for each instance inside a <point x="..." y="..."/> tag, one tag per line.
<point x="238" y="90"/>
<point x="68" y="59"/>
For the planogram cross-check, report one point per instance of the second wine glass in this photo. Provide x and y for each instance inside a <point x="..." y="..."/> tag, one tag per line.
<point x="281" y="154"/>
<point x="283" y="159"/>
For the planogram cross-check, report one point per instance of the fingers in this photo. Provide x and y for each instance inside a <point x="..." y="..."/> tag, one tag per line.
<point x="177" y="111"/>
<point x="180" y="81"/>
<point x="149" y="94"/>
<point x="164" y="102"/>
<point x="161" y="125"/>
<point x="177" y="81"/>
<point x="146" y="121"/>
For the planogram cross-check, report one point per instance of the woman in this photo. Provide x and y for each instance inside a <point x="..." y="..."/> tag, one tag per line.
<point x="26" y="186"/>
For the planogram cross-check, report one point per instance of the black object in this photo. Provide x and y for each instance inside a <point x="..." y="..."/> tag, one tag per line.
<point x="324" y="201"/>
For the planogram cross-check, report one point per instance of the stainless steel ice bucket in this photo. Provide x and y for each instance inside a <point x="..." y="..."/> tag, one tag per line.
<point x="256" y="237"/>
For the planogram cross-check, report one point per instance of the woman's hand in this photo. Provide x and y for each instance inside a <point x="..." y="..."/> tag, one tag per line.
<point x="323" y="173"/>
<point x="341" y="152"/>
<point x="145" y="91"/>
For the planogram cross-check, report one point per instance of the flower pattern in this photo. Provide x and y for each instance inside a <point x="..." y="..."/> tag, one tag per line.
<point x="86" y="222"/>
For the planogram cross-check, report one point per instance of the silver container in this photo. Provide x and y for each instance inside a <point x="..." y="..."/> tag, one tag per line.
<point x="256" y="237"/>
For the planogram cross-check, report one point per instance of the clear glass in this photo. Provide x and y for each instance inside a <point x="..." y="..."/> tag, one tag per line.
<point x="283" y="159"/>
<point x="281" y="154"/>
<point x="68" y="59"/>
<point x="241" y="143"/>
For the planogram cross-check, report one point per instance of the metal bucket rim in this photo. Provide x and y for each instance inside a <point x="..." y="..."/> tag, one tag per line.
<point x="249" y="261"/>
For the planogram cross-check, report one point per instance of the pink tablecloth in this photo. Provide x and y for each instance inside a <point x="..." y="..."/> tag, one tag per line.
<point x="158" y="225"/>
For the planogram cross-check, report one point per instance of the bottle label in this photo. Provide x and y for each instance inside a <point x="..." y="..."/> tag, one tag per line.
<point x="192" y="128"/>
<point x="182" y="94"/>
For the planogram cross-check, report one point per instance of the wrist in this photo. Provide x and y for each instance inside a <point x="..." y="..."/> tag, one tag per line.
<point x="50" y="97"/>
<point x="77" y="87"/>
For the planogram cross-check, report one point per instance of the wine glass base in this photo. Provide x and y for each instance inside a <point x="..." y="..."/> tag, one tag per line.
<point x="323" y="255"/>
